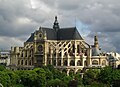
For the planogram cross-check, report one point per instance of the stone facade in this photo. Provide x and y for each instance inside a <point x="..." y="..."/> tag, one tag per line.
<point x="64" y="48"/>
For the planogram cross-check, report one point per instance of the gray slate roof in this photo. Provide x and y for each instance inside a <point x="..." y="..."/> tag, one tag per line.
<point x="62" y="34"/>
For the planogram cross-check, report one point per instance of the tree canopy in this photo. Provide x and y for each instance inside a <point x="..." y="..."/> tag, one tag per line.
<point x="48" y="76"/>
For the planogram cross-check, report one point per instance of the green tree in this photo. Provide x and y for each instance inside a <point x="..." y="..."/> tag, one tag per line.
<point x="78" y="78"/>
<point x="56" y="83"/>
<point x="109" y="75"/>
<point x="67" y="79"/>
<point x="50" y="67"/>
<point x="58" y="74"/>
<point x="105" y="75"/>
<point x="14" y="78"/>
<point x="48" y="74"/>
<point x="41" y="77"/>
<point x="55" y="72"/>
<point x="32" y="78"/>
<point x="116" y="74"/>
<point x="90" y="76"/>
<point x="4" y="79"/>
<point x="2" y="68"/>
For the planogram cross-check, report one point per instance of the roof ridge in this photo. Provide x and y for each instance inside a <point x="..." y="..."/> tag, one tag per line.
<point x="68" y="28"/>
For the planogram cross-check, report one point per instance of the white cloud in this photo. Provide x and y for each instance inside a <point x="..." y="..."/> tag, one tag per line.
<point x="37" y="4"/>
<point x="19" y="18"/>
<point x="23" y="20"/>
<point x="7" y="42"/>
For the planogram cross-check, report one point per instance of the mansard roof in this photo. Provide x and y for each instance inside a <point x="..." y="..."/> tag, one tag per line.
<point x="62" y="34"/>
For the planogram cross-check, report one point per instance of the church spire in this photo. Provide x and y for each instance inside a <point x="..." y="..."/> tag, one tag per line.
<point x="56" y="24"/>
<point x="96" y="41"/>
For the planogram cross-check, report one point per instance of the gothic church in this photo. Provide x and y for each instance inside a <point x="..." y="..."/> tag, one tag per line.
<point x="64" y="48"/>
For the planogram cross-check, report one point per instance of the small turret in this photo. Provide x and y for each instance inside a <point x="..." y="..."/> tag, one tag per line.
<point x="56" y="24"/>
<point x="96" y="42"/>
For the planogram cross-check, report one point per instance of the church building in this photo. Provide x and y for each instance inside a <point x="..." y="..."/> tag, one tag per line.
<point x="64" y="48"/>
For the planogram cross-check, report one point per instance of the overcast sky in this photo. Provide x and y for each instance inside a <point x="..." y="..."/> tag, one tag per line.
<point x="19" y="18"/>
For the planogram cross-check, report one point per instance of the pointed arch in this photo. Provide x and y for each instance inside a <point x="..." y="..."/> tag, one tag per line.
<point x="30" y="62"/>
<point x="65" y="63"/>
<point x="54" y="62"/>
<point x="21" y="62"/>
<point x="18" y="62"/>
<point x="72" y="63"/>
<point x="25" y="62"/>
<point x="59" y="63"/>
<point x="79" y="63"/>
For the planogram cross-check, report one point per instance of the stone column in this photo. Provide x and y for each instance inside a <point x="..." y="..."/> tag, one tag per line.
<point x="90" y="55"/>
<point x="75" y="44"/>
<point x="51" y="53"/>
<point x="56" y="57"/>
<point x="45" y="59"/>
<point x="45" y="53"/>
<point x="62" y="54"/>
<point x="83" y="61"/>
<point x="75" y="62"/>
<point x="68" y="60"/>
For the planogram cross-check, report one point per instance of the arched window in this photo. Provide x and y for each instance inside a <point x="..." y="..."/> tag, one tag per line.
<point x="94" y="62"/>
<point x="79" y="63"/>
<point x="78" y="48"/>
<point x="30" y="62"/>
<point x="54" y="62"/>
<point x="59" y="62"/>
<point x="21" y="62"/>
<point x="31" y="52"/>
<point x="26" y="53"/>
<point x="65" y="63"/>
<point x="72" y="63"/>
<point x="18" y="62"/>
<point x="22" y="54"/>
<point x="25" y="62"/>
<point x="73" y="48"/>
<point x="103" y="62"/>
